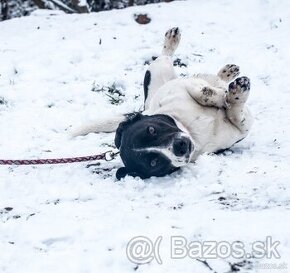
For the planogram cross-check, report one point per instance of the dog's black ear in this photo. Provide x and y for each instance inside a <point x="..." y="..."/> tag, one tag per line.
<point x="119" y="132"/>
<point x="121" y="173"/>
<point x="130" y="118"/>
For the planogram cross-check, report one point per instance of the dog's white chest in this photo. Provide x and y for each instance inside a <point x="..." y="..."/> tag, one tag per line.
<point x="204" y="124"/>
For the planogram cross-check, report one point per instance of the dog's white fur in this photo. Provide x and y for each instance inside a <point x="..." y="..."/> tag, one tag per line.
<point x="103" y="125"/>
<point x="200" y="105"/>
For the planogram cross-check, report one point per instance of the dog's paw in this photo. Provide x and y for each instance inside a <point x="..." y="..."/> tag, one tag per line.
<point x="210" y="96"/>
<point x="171" y="41"/>
<point x="239" y="90"/>
<point x="229" y="72"/>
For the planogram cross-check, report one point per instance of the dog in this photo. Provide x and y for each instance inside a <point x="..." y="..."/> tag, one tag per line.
<point x="182" y="118"/>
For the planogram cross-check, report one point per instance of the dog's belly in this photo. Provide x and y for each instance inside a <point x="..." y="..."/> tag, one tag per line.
<point x="208" y="126"/>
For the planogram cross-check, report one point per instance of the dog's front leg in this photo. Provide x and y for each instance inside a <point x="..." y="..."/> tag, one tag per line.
<point x="161" y="70"/>
<point x="237" y="112"/>
<point x="205" y="94"/>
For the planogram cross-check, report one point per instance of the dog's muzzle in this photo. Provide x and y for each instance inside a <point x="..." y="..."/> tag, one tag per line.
<point x="182" y="146"/>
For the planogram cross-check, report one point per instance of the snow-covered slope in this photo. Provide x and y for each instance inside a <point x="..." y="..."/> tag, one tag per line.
<point x="70" y="218"/>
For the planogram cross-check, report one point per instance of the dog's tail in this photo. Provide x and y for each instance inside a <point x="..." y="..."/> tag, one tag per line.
<point x="100" y="126"/>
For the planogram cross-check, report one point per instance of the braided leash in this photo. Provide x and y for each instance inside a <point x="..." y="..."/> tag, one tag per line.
<point x="108" y="156"/>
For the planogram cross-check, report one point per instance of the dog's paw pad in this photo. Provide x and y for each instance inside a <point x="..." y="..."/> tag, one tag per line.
<point x="172" y="33"/>
<point x="229" y="72"/>
<point x="171" y="41"/>
<point x="240" y="85"/>
<point x="239" y="90"/>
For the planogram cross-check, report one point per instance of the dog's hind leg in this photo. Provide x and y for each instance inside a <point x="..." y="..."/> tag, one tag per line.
<point x="161" y="70"/>
<point x="237" y="112"/>
<point x="107" y="125"/>
<point x="171" y="41"/>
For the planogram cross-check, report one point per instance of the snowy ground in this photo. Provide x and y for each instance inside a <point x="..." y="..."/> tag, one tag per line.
<point x="70" y="218"/>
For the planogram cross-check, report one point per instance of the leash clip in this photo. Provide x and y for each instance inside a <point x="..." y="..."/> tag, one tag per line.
<point x="110" y="155"/>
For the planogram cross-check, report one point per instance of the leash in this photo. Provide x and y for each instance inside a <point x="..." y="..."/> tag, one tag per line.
<point x="108" y="156"/>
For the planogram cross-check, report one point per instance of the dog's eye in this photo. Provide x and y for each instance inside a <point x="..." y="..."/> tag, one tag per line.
<point x="153" y="162"/>
<point x="151" y="130"/>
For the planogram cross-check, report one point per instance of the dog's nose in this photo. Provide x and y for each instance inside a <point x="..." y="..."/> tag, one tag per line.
<point x="181" y="146"/>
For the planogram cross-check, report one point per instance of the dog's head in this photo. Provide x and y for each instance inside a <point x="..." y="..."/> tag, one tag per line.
<point x="151" y="146"/>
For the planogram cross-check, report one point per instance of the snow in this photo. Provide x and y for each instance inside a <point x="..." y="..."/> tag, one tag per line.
<point x="70" y="218"/>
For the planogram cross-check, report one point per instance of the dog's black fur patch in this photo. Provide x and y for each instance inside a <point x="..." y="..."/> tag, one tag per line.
<point x="135" y="134"/>
<point x="147" y="80"/>
<point x="130" y="119"/>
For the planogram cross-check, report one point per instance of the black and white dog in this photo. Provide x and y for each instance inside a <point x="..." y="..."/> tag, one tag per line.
<point x="183" y="117"/>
